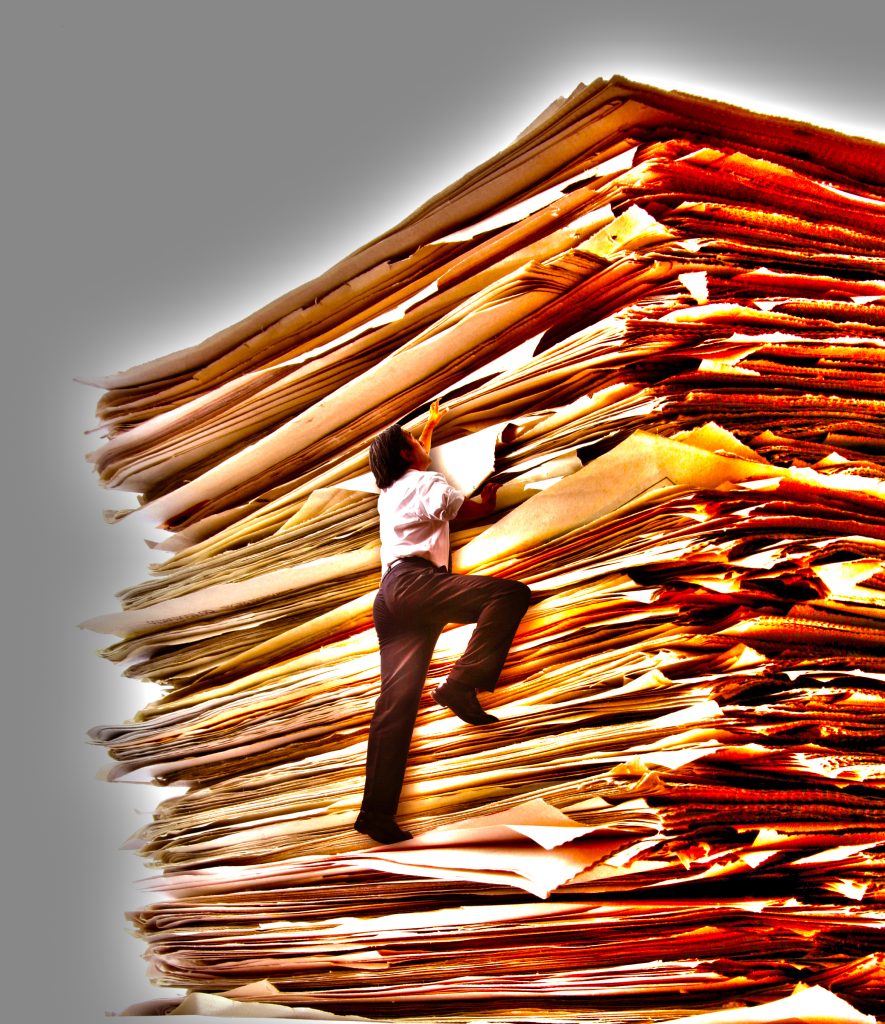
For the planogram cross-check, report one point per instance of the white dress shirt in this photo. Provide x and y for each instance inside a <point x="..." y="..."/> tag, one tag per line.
<point x="415" y="512"/>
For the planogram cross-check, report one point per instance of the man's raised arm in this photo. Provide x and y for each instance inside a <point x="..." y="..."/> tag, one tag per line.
<point x="434" y="415"/>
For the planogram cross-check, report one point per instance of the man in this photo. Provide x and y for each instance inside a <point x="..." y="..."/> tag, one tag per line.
<point x="417" y="598"/>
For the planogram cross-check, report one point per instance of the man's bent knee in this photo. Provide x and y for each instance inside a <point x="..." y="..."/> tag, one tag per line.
<point x="521" y="594"/>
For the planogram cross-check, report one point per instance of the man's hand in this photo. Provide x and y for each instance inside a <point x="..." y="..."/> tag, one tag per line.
<point x="488" y="497"/>
<point x="473" y="508"/>
<point x="434" y="415"/>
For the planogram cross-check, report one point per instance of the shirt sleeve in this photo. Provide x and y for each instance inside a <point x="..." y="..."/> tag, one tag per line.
<point x="436" y="498"/>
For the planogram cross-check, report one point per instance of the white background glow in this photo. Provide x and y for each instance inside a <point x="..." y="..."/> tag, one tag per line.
<point x="168" y="168"/>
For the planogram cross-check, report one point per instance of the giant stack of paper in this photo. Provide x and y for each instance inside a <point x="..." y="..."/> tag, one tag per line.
<point x="659" y="322"/>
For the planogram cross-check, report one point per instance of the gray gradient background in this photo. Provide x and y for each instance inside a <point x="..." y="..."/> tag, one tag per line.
<point x="166" y="169"/>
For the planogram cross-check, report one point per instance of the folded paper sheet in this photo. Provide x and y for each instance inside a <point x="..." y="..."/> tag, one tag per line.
<point x="658" y="322"/>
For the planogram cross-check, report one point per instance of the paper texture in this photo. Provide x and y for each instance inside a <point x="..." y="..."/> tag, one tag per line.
<point x="657" y="322"/>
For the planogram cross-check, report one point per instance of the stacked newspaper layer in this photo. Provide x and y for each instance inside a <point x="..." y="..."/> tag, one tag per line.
<point x="659" y="323"/>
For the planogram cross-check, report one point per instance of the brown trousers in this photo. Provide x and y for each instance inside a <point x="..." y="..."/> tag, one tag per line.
<point x="414" y="603"/>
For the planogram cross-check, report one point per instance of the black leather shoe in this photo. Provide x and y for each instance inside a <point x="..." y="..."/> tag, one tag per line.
<point x="462" y="701"/>
<point x="380" y="828"/>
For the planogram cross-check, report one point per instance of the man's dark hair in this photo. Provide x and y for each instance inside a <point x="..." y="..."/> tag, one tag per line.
<point x="386" y="459"/>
